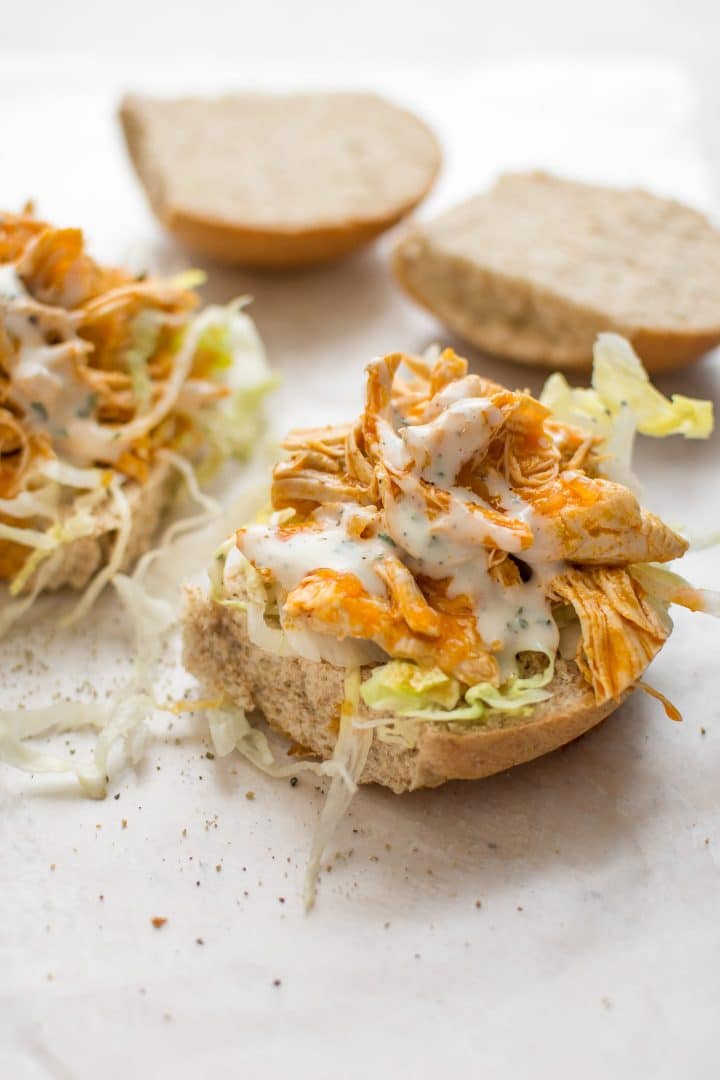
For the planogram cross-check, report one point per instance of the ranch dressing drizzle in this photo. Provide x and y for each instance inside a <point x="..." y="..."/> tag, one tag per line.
<point x="44" y="380"/>
<point x="519" y="616"/>
<point x="291" y="554"/>
<point x="442" y="446"/>
<point x="450" y="544"/>
<point x="511" y="619"/>
<point x="45" y="383"/>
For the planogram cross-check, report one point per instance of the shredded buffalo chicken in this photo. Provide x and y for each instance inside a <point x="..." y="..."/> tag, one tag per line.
<point x="88" y="365"/>
<point x="528" y="500"/>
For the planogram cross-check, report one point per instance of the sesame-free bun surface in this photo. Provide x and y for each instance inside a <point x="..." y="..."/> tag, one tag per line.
<point x="279" y="180"/>
<point x="302" y="698"/>
<point x="535" y="268"/>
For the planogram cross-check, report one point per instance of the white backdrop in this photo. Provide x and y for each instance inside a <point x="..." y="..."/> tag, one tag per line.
<point x="594" y="949"/>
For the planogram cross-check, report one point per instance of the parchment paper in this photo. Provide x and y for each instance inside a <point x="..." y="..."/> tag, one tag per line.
<point x="558" y="920"/>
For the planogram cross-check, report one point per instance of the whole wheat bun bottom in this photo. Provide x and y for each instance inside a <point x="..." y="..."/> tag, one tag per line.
<point x="80" y="559"/>
<point x="302" y="698"/>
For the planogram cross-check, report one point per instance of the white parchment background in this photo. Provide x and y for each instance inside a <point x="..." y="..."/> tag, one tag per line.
<point x="560" y="920"/>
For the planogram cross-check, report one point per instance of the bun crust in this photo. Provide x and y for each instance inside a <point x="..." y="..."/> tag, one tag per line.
<point x="535" y="268"/>
<point x="301" y="699"/>
<point x="279" y="181"/>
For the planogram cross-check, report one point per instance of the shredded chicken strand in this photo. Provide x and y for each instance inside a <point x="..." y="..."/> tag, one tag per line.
<point x="528" y="474"/>
<point x="621" y="631"/>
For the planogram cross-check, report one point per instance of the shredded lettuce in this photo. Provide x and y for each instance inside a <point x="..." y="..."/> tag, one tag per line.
<point x="18" y="725"/>
<point x="232" y="425"/>
<point x="349" y="757"/>
<point x="403" y="689"/>
<point x="667" y="587"/>
<point x="401" y="686"/>
<point x="231" y="730"/>
<point x="622" y="401"/>
<point x="117" y="557"/>
<point x="12" y="610"/>
<point x="122" y="720"/>
<point x="79" y="523"/>
<point x="74" y="477"/>
<point x="216" y="342"/>
<point x="145" y="332"/>
<point x="28" y="537"/>
<point x="188" y="279"/>
<point x="41" y="503"/>
<point x="211" y="511"/>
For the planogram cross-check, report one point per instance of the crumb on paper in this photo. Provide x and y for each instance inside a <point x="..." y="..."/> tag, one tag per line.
<point x="123" y="823"/>
<point x="199" y="941"/>
<point x="478" y="903"/>
<point x="277" y="982"/>
<point x="250" y="795"/>
<point x="158" y="921"/>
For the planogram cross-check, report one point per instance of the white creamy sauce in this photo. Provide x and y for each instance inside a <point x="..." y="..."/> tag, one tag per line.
<point x="59" y="404"/>
<point x="442" y="446"/>
<point x="44" y="382"/>
<point x="295" y="553"/>
<point x="11" y="286"/>
<point x="393" y="447"/>
<point x="471" y="386"/>
<point x="447" y="539"/>
<point x="517" y="618"/>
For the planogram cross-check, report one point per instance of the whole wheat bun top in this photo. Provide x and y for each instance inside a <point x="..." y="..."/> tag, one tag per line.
<point x="279" y="180"/>
<point x="535" y="268"/>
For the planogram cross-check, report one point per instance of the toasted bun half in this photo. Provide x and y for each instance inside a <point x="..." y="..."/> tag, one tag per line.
<point x="535" y="268"/>
<point x="302" y="698"/>
<point x="279" y="181"/>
